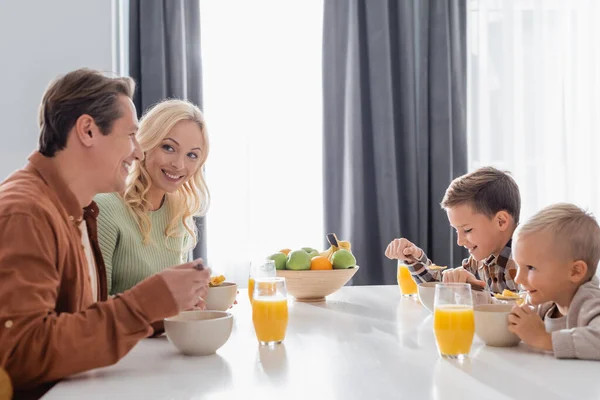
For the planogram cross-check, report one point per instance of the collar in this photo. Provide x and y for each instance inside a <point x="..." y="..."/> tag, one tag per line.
<point x="502" y="258"/>
<point x="46" y="168"/>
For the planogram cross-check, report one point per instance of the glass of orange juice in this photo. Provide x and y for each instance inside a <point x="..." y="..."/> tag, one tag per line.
<point x="270" y="310"/>
<point x="260" y="269"/>
<point x="453" y="319"/>
<point x="408" y="286"/>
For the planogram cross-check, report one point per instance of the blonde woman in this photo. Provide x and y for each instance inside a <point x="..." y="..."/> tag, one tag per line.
<point x="150" y="226"/>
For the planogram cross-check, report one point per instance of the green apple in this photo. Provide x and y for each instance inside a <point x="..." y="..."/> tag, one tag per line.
<point x="279" y="258"/>
<point x="311" y="252"/>
<point x="343" y="259"/>
<point x="298" y="260"/>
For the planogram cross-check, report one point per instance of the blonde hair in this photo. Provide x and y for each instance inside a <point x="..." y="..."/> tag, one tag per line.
<point x="192" y="198"/>
<point x="574" y="229"/>
<point x="488" y="190"/>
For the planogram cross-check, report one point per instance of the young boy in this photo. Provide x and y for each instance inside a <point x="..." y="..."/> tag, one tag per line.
<point x="557" y="253"/>
<point x="483" y="207"/>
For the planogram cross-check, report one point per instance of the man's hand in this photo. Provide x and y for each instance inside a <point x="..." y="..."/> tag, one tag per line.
<point x="403" y="249"/>
<point x="527" y="325"/>
<point x="188" y="283"/>
<point x="461" y="275"/>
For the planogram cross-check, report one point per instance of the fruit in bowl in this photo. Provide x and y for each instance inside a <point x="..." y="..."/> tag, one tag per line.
<point x="310" y="275"/>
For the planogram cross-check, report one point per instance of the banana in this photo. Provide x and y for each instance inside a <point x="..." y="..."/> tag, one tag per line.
<point x="329" y="252"/>
<point x="344" y="244"/>
<point x="335" y="246"/>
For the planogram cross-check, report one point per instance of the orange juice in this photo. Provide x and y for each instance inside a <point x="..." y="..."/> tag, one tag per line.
<point x="407" y="284"/>
<point x="454" y="327"/>
<point x="250" y="288"/>
<point x="270" y="318"/>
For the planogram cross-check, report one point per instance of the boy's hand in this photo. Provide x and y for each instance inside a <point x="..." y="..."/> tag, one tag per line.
<point x="461" y="275"/>
<point x="526" y="324"/>
<point x="402" y="249"/>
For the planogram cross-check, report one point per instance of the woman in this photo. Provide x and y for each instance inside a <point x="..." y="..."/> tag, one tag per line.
<point x="150" y="226"/>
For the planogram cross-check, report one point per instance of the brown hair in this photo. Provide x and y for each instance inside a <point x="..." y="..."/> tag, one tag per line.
<point x="488" y="190"/>
<point x="83" y="91"/>
<point x="575" y="231"/>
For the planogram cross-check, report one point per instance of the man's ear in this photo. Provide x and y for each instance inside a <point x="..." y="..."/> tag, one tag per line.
<point x="503" y="219"/>
<point x="85" y="130"/>
<point x="579" y="271"/>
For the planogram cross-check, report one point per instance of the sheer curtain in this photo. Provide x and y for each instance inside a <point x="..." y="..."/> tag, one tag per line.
<point x="534" y="97"/>
<point x="262" y="101"/>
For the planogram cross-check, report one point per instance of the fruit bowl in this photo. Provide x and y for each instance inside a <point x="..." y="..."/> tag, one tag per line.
<point x="312" y="286"/>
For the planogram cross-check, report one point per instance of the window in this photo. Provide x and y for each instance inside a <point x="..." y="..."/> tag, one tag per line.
<point x="534" y="97"/>
<point x="263" y="105"/>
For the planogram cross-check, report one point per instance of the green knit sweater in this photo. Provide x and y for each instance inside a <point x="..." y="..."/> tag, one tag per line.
<point x="128" y="260"/>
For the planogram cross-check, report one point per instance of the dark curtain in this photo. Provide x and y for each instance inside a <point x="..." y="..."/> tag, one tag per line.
<point x="165" y="60"/>
<point x="394" y="81"/>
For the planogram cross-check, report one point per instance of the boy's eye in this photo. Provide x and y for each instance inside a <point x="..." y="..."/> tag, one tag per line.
<point x="468" y="230"/>
<point x="530" y="268"/>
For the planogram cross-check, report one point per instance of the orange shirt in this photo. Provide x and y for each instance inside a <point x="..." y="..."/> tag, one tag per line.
<point x="50" y="326"/>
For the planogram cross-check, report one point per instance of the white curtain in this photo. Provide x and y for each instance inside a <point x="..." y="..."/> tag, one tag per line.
<point x="262" y="102"/>
<point x="534" y="97"/>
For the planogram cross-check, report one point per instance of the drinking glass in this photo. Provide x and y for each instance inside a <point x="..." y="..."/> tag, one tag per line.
<point x="408" y="286"/>
<point x="260" y="269"/>
<point x="270" y="310"/>
<point x="453" y="319"/>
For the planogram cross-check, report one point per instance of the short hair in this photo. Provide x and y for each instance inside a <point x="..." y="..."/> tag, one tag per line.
<point x="83" y="91"/>
<point x="488" y="190"/>
<point x="574" y="230"/>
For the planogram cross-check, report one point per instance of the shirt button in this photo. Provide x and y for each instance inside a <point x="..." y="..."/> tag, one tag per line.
<point x="8" y="324"/>
<point x="71" y="218"/>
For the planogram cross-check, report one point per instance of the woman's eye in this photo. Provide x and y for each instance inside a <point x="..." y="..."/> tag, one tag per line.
<point x="193" y="156"/>
<point x="166" y="147"/>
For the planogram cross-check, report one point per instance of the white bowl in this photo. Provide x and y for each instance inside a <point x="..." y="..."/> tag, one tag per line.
<point x="491" y="325"/>
<point x="221" y="297"/>
<point x="199" y="332"/>
<point x="426" y="291"/>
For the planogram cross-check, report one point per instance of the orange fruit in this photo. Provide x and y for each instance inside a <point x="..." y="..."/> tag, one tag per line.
<point x="320" y="263"/>
<point x="286" y="251"/>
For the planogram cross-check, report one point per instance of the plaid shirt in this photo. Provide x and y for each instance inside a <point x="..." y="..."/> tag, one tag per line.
<point x="497" y="272"/>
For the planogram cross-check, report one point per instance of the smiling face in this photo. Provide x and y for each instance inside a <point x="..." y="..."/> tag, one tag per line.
<point x="542" y="271"/>
<point x="478" y="233"/>
<point x="115" y="152"/>
<point x="177" y="157"/>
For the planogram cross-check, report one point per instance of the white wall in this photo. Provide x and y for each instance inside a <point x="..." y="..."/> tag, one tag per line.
<point x="40" y="39"/>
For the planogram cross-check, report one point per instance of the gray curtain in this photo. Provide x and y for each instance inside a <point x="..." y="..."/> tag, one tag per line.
<point x="165" y="60"/>
<point x="394" y="76"/>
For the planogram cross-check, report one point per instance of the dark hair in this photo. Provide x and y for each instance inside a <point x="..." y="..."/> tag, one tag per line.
<point x="83" y="91"/>
<point x="488" y="190"/>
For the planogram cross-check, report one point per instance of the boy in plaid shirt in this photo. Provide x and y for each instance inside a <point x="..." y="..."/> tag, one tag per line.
<point x="483" y="207"/>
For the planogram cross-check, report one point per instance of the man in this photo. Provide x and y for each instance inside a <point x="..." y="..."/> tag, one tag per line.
<point x="55" y="317"/>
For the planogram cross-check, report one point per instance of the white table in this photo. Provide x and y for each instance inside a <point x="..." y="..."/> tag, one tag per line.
<point x="363" y="343"/>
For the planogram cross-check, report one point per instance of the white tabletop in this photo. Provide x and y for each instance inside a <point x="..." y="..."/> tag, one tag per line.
<point x="364" y="343"/>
